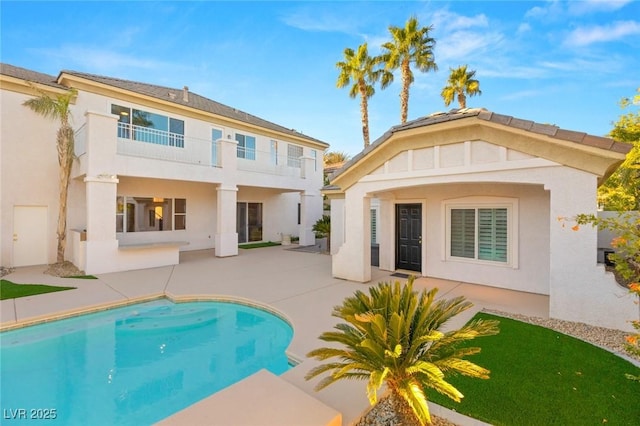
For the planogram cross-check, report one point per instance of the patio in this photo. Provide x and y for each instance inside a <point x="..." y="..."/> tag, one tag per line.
<point x="297" y="284"/>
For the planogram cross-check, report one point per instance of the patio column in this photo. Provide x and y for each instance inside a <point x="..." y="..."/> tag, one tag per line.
<point x="101" y="185"/>
<point x="310" y="212"/>
<point x="386" y="232"/>
<point x="226" y="236"/>
<point x="353" y="260"/>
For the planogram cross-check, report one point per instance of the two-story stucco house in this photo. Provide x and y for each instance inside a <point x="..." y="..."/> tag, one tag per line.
<point x="158" y="170"/>
<point x="483" y="198"/>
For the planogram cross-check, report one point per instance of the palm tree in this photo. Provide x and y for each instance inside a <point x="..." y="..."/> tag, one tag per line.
<point x="57" y="108"/>
<point x="335" y="157"/>
<point x="409" y="45"/>
<point x="460" y="83"/>
<point x="392" y="336"/>
<point x="361" y="70"/>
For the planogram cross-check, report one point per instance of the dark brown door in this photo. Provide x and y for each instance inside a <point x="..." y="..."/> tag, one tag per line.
<point x="409" y="237"/>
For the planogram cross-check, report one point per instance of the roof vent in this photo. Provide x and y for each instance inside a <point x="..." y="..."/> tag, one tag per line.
<point x="185" y="94"/>
<point x="172" y="95"/>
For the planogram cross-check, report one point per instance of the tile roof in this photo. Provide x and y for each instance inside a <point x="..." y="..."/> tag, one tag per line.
<point x="505" y="120"/>
<point x="28" y="75"/>
<point x="193" y="101"/>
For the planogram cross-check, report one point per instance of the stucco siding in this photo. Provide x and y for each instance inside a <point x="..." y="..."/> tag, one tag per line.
<point x="29" y="169"/>
<point x="532" y="272"/>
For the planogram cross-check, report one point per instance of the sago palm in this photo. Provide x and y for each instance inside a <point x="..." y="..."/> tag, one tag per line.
<point x="57" y="108"/>
<point x="409" y="46"/>
<point x="362" y="72"/>
<point x="392" y="336"/>
<point x="460" y="83"/>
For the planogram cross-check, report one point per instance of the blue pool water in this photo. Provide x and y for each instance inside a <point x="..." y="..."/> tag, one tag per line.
<point x="134" y="365"/>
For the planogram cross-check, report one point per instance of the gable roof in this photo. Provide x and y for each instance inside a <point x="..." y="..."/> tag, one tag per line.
<point x="567" y="147"/>
<point x="195" y="101"/>
<point x="31" y="76"/>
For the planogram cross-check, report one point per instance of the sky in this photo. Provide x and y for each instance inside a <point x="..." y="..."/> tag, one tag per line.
<point x="566" y="63"/>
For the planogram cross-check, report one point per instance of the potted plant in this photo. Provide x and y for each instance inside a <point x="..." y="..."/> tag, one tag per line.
<point x="322" y="229"/>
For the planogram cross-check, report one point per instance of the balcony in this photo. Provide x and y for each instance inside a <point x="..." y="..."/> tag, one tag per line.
<point x="101" y="140"/>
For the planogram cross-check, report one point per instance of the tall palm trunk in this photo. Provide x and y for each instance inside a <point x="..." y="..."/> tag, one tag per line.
<point x="462" y="100"/>
<point x="65" y="161"/>
<point x="364" y="113"/>
<point x="404" y="94"/>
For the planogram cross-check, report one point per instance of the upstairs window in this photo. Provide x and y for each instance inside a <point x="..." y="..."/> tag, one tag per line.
<point x="294" y="152"/>
<point x="246" y="146"/>
<point x="149" y="127"/>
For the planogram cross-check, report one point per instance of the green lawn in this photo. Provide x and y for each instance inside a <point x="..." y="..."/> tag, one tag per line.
<point x="9" y="290"/>
<point x="258" y="245"/>
<point x="542" y="377"/>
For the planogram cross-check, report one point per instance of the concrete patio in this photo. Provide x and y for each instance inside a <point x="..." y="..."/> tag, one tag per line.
<point x="295" y="283"/>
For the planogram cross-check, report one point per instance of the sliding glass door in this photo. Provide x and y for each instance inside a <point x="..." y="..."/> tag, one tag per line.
<point x="249" y="222"/>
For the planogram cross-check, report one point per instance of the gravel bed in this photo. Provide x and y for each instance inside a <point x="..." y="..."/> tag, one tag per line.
<point x="382" y="413"/>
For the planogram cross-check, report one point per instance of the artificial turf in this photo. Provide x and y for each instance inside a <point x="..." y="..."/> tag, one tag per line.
<point x="10" y="290"/>
<point x="258" y="245"/>
<point x="543" y="377"/>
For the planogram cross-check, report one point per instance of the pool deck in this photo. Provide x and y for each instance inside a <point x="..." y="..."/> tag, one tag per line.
<point x="296" y="283"/>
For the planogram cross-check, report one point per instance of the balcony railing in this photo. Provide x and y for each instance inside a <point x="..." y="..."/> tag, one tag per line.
<point x="144" y="142"/>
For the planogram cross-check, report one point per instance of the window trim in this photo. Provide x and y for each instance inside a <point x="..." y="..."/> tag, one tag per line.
<point x="479" y="202"/>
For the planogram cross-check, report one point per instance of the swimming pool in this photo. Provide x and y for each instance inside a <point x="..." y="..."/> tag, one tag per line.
<point x="136" y="364"/>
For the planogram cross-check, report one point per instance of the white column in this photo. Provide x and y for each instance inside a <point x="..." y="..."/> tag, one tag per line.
<point x="310" y="212"/>
<point x="101" y="185"/>
<point x="386" y="232"/>
<point x="226" y="236"/>
<point x="353" y="259"/>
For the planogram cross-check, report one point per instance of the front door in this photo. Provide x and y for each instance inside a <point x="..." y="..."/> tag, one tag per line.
<point x="30" y="235"/>
<point x="409" y="237"/>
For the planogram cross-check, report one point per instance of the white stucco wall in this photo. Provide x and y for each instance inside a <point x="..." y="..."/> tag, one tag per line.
<point x="28" y="168"/>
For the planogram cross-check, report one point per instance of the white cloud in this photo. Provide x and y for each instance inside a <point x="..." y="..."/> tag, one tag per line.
<point x="523" y="94"/>
<point x="551" y="11"/>
<point x="307" y="19"/>
<point x="583" y="36"/>
<point x="592" y="6"/>
<point x="99" y="60"/>
<point x="445" y="21"/>
<point x="523" y="28"/>
<point x="466" y="46"/>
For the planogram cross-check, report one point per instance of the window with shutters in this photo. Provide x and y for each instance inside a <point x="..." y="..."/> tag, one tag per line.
<point x="482" y="230"/>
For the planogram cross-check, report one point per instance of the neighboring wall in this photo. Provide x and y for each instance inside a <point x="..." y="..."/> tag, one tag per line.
<point x="28" y="170"/>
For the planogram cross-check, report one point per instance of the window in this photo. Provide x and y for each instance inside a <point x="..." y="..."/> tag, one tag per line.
<point x="482" y="231"/>
<point x="374" y="225"/>
<point x="274" y="152"/>
<point x="149" y="127"/>
<point x="143" y="214"/>
<point x="294" y="152"/>
<point x="314" y="154"/>
<point x="246" y="146"/>
<point x="216" y="134"/>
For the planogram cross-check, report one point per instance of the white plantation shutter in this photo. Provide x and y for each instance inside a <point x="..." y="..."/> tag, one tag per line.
<point x="463" y="231"/>
<point x="492" y="234"/>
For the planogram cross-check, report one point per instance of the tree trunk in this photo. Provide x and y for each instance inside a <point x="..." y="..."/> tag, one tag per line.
<point x="403" y="411"/>
<point x="65" y="161"/>
<point x="364" y="113"/>
<point x="404" y="94"/>
<point x="462" y="100"/>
